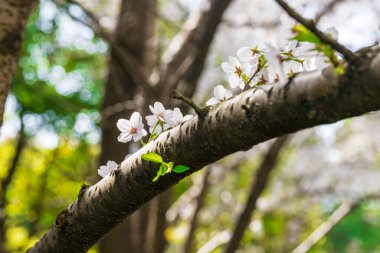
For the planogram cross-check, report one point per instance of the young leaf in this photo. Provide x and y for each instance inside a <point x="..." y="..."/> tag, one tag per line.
<point x="152" y="157"/>
<point x="303" y="34"/>
<point x="180" y="168"/>
<point x="160" y="172"/>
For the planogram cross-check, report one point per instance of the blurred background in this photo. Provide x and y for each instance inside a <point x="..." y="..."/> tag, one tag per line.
<point x="70" y="88"/>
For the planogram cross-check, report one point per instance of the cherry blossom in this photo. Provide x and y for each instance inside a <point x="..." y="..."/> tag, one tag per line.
<point x="104" y="170"/>
<point x="158" y="121"/>
<point x="131" y="129"/>
<point x="178" y="118"/>
<point x="220" y="94"/>
<point x="236" y="72"/>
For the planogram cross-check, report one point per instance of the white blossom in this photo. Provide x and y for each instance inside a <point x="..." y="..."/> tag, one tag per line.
<point x="220" y="94"/>
<point x="158" y="121"/>
<point x="104" y="170"/>
<point x="178" y="118"/>
<point x="236" y="72"/>
<point x="131" y="129"/>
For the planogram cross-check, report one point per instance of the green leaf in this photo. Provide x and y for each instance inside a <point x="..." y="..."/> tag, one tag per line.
<point x="152" y="157"/>
<point x="160" y="172"/>
<point x="180" y="168"/>
<point x="303" y="34"/>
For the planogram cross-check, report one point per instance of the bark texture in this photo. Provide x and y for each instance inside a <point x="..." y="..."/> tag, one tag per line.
<point x="308" y="100"/>
<point x="13" y="17"/>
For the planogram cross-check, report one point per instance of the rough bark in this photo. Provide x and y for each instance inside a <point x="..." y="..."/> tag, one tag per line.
<point x="13" y="17"/>
<point x="257" y="187"/>
<point x="308" y="100"/>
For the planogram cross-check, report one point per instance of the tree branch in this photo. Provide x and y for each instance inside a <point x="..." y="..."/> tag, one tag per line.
<point x="342" y="211"/>
<point x="310" y="99"/>
<point x="258" y="186"/>
<point x="309" y="24"/>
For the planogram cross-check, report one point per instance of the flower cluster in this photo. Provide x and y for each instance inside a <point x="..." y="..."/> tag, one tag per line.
<point x="133" y="129"/>
<point x="262" y="63"/>
<point x="257" y="64"/>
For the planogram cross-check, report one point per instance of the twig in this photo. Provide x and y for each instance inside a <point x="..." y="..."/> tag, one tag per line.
<point x="344" y="209"/>
<point x="309" y="24"/>
<point x="328" y="8"/>
<point x="200" y="111"/>
<point x="217" y="240"/>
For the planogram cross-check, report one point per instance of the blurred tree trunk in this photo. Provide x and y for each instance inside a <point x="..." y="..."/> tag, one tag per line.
<point x="13" y="17"/>
<point x="132" y="44"/>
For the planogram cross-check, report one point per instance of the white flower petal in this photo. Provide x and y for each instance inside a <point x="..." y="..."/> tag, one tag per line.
<point x="212" y="101"/>
<point x="137" y="136"/>
<point x="244" y="54"/>
<point x="151" y="120"/>
<point x="234" y="61"/>
<point x="123" y="125"/>
<point x="219" y="92"/>
<point x="135" y="119"/>
<point x="124" y="137"/>
<point x="291" y="45"/>
<point x="227" y="67"/>
<point x="103" y="171"/>
<point x="234" y="81"/>
<point x="159" y="107"/>
<point x="112" y="165"/>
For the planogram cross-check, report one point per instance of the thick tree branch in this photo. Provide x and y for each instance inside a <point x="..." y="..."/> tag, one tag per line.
<point x="13" y="17"/>
<point x="309" y="24"/>
<point x="258" y="186"/>
<point x="252" y="117"/>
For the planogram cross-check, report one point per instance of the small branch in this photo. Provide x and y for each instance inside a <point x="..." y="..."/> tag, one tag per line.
<point x="200" y="111"/>
<point x="337" y="216"/>
<point x="216" y="241"/>
<point x="324" y="228"/>
<point x="309" y="24"/>
<point x="20" y="145"/>
<point x="328" y="8"/>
